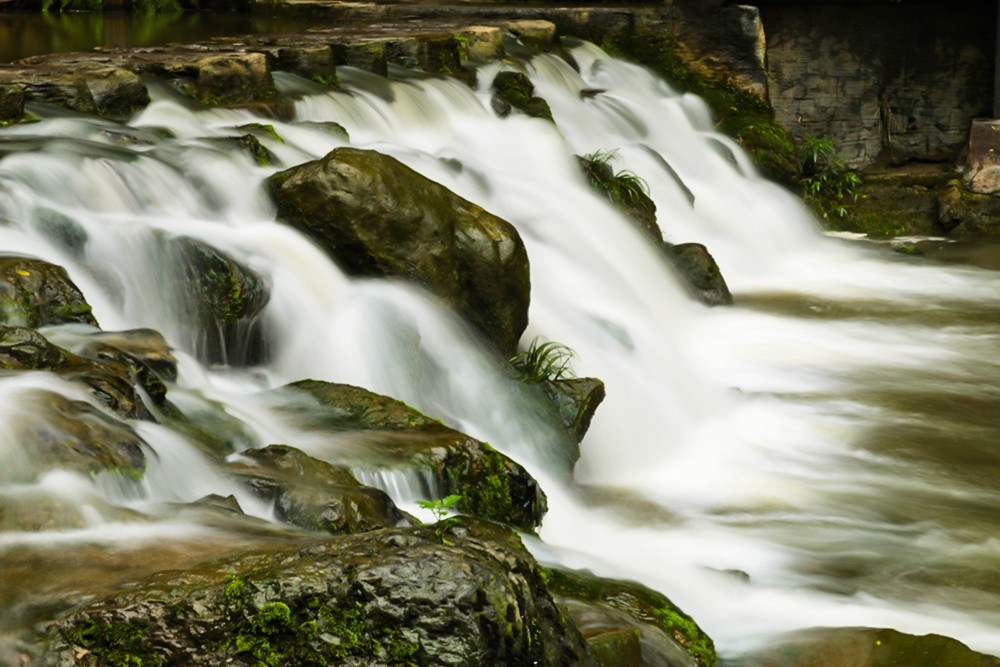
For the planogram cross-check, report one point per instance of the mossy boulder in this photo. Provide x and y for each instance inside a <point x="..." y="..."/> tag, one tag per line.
<point x="700" y="273"/>
<point x="962" y="212"/>
<point x="378" y="217"/>
<point x="481" y="43"/>
<point x="35" y="293"/>
<point x="769" y="144"/>
<point x="220" y="302"/>
<point x="397" y="596"/>
<point x="866" y="647"/>
<point x="514" y="90"/>
<point x="668" y="635"/>
<point x="435" y="53"/>
<point x="389" y="435"/>
<point x="112" y="376"/>
<point x="314" y="62"/>
<point x="365" y="54"/>
<point x="313" y="494"/>
<point x="55" y="433"/>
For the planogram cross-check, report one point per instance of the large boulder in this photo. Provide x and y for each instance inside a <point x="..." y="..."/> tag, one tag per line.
<point x="35" y="293"/>
<point x="575" y="401"/>
<point x="514" y="90"/>
<point x="398" y="596"/>
<point x="397" y="437"/>
<point x="378" y="217"/>
<point x="313" y="494"/>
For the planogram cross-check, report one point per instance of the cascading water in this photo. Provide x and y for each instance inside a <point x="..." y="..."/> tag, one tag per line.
<point x="832" y="436"/>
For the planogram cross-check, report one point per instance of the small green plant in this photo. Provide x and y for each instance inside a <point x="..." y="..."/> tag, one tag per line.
<point x="441" y="508"/>
<point x="828" y="186"/>
<point x="543" y="361"/>
<point x="623" y="188"/>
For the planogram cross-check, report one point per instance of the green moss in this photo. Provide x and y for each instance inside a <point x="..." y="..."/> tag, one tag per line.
<point x="639" y="602"/>
<point x="514" y="89"/>
<point x="113" y="643"/>
<point x="308" y="631"/>
<point x="486" y="491"/>
<point x="740" y="114"/>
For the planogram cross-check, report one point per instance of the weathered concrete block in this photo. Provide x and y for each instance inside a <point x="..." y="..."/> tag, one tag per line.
<point x="537" y="33"/>
<point x="312" y="62"/>
<point x="369" y="55"/>
<point x="482" y="43"/>
<point x="237" y="77"/>
<point x="116" y="92"/>
<point x="984" y="143"/>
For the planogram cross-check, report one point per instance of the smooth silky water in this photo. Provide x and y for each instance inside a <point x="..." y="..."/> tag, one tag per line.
<point x="834" y="437"/>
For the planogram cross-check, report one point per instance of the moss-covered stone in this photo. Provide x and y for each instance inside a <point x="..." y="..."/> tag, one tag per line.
<point x="391" y="435"/>
<point x="627" y="191"/>
<point x="389" y="597"/>
<point x="514" y="90"/>
<point x="220" y="302"/>
<point x="576" y="401"/>
<point x="643" y="605"/>
<point x="233" y="78"/>
<point x="965" y="213"/>
<point x="35" y="293"/>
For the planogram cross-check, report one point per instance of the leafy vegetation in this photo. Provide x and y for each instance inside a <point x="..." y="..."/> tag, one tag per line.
<point x="828" y="185"/>
<point x="543" y="361"/>
<point x="441" y="508"/>
<point x="623" y="188"/>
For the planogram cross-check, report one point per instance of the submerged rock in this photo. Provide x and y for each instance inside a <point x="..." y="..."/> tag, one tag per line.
<point x="391" y="435"/>
<point x="313" y="494"/>
<point x="514" y="90"/>
<point x="378" y="217"/>
<point x="221" y="301"/>
<point x="113" y="377"/>
<point x="394" y="596"/>
<point x="35" y="293"/>
<point x="866" y="647"/>
<point x="667" y="636"/>
<point x="700" y="273"/>
<point x="55" y="432"/>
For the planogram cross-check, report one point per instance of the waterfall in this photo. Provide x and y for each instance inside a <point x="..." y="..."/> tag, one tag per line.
<point x="762" y="438"/>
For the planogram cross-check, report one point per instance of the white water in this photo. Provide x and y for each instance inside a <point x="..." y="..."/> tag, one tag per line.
<point x="730" y="438"/>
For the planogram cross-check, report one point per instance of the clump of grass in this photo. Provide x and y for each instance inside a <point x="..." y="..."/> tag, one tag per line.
<point x="828" y="185"/>
<point x="543" y="361"/>
<point x="624" y="189"/>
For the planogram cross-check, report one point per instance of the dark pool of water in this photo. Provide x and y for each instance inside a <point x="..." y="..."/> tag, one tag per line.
<point x="24" y="34"/>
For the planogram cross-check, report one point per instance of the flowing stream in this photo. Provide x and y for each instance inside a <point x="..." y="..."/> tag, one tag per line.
<point x="824" y="453"/>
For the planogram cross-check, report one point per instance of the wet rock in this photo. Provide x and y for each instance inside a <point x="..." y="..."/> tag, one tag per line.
<point x="514" y="90"/>
<point x="313" y="494"/>
<point x="112" y="379"/>
<point x="206" y="424"/>
<point x="368" y="55"/>
<point x="144" y="346"/>
<point x="615" y="647"/>
<point x="576" y="401"/>
<point x="234" y="78"/>
<point x="11" y="102"/>
<point x="625" y="190"/>
<point x="482" y="43"/>
<point x="35" y="293"/>
<point x="700" y="272"/>
<point x="116" y="92"/>
<point x="667" y="635"/>
<point x="394" y="596"/>
<point x="436" y="53"/>
<point x="866" y="647"/>
<point x="984" y="181"/>
<point x="221" y="301"/>
<point x="311" y="62"/>
<point x="378" y="217"/>
<point x="58" y="433"/>
<point x="388" y="434"/>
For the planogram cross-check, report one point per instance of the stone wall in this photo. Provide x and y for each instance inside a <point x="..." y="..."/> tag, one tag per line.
<point x="893" y="82"/>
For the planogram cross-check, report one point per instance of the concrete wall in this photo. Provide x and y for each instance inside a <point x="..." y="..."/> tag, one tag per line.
<point x="895" y="81"/>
